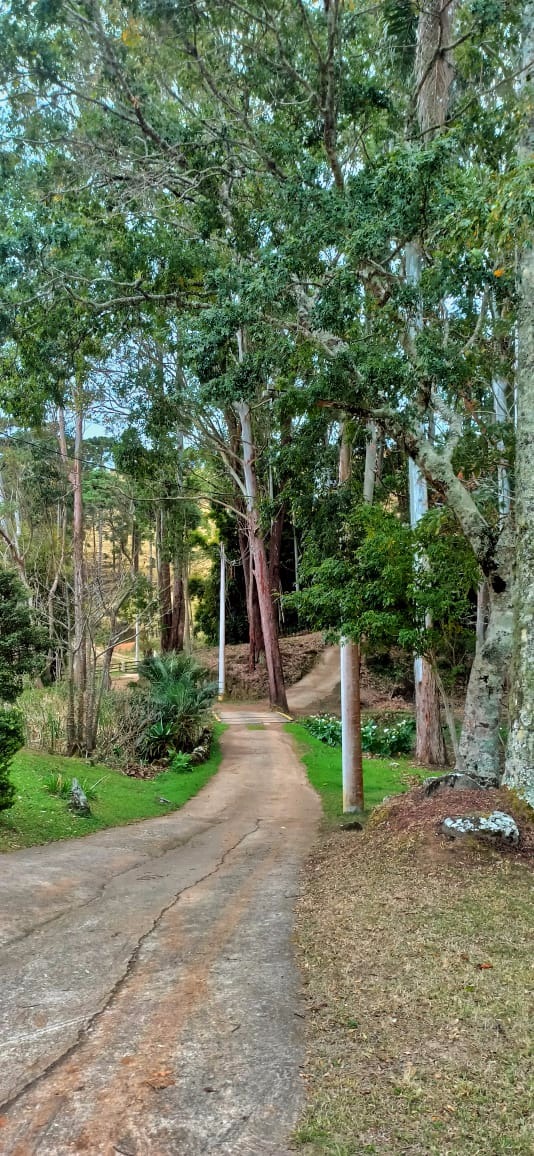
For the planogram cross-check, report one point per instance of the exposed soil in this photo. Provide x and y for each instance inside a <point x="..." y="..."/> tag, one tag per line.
<point x="300" y="653"/>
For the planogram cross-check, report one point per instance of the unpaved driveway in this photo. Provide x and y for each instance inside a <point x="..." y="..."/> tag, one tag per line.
<point x="316" y="689"/>
<point x="149" y="998"/>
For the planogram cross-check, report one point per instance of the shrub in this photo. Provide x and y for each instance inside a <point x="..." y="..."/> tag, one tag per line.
<point x="21" y="643"/>
<point x="181" y="762"/>
<point x="61" y="785"/>
<point x="388" y="740"/>
<point x="397" y="739"/>
<point x="45" y="717"/>
<point x="11" y="739"/>
<point x="179" y="698"/>
<point x="325" y="727"/>
<point x="57" y="784"/>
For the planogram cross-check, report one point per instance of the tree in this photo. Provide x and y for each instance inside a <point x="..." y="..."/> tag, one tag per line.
<point x="519" y="770"/>
<point x="258" y="176"/>
<point x="21" y="646"/>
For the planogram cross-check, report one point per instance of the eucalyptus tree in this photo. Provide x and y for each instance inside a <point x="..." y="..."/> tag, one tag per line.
<point x="267" y="144"/>
<point x="520" y="754"/>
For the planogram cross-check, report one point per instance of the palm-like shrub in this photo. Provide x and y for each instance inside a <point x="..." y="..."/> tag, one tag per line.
<point x="179" y="699"/>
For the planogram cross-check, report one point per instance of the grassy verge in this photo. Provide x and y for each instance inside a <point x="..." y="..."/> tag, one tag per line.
<point x="38" y="817"/>
<point x="382" y="777"/>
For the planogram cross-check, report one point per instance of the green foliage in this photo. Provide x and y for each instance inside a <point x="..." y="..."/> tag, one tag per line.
<point x="180" y="762"/>
<point x="323" y="764"/>
<point x="38" y="817"/>
<point x="256" y="187"/>
<point x="377" y="739"/>
<point x="21" y="640"/>
<point x="11" y="739"/>
<point x="21" y="644"/>
<point x="179" y="698"/>
<point x="325" y="727"/>
<point x="364" y="588"/>
<point x="57" y="783"/>
<point x="389" y="740"/>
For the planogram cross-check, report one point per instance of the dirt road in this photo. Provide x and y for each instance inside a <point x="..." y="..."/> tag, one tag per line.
<point x="149" y="997"/>
<point x="317" y="689"/>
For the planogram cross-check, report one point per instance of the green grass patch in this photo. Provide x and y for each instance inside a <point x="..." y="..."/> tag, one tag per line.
<point x="39" y="817"/>
<point x="381" y="776"/>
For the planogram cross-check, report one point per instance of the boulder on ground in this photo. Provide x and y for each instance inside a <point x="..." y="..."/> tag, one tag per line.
<point x="498" y="828"/>
<point x="78" y="799"/>
<point x="455" y="781"/>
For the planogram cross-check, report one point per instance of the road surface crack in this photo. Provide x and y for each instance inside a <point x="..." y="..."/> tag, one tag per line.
<point x="101" y="890"/>
<point x="89" y="1026"/>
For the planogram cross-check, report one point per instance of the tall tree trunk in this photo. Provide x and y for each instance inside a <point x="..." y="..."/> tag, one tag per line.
<point x="90" y="702"/>
<point x="296" y="556"/>
<point x="275" y="549"/>
<point x="54" y="659"/>
<point x="176" y="636"/>
<point x="479" y="751"/>
<point x="371" y="463"/>
<point x="480" y="748"/>
<point x="187" y="634"/>
<point x="164" y="582"/>
<point x="79" y="657"/>
<point x="482" y="612"/>
<point x="433" y="78"/>
<point x="105" y="681"/>
<point x="429" y="744"/>
<point x="277" y="693"/>
<point x="248" y="575"/>
<point x="519" y="768"/>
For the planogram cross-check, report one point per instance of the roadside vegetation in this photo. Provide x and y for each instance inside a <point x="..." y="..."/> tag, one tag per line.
<point x="382" y="776"/>
<point x="38" y="816"/>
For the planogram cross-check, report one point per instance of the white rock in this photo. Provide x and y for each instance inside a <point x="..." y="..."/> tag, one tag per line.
<point x="499" y="827"/>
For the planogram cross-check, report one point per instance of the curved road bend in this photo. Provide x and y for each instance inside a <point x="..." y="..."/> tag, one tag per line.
<point x="149" y="997"/>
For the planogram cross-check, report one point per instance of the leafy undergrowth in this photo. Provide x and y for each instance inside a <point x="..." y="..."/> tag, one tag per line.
<point x="38" y="817"/>
<point x="382" y="777"/>
<point x="417" y="957"/>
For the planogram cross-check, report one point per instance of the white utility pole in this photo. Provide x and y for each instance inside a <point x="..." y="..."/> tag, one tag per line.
<point x="222" y="623"/>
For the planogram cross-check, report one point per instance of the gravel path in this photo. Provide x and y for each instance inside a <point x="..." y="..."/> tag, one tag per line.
<point x="149" y="996"/>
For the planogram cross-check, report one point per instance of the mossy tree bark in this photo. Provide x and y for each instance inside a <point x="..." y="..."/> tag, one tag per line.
<point x="519" y="769"/>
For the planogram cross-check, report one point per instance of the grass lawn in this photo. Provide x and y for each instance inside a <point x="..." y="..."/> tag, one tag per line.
<point x="382" y="777"/>
<point x="38" y="817"/>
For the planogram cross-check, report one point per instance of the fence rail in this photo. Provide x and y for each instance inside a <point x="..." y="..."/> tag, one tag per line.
<point x="124" y="666"/>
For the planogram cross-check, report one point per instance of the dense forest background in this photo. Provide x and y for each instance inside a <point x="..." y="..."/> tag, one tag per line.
<point x="266" y="273"/>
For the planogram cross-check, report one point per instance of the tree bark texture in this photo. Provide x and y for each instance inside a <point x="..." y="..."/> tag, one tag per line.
<point x="480" y="746"/>
<point x="79" y="658"/>
<point x="429" y="744"/>
<point x="277" y="693"/>
<point x="519" y="769"/>
<point x="164" y="582"/>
